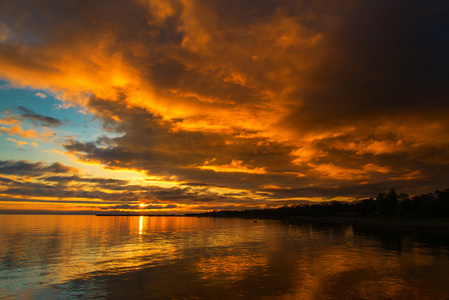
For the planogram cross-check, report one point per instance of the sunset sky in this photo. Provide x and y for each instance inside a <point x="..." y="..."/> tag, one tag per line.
<point x="195" y="105"/>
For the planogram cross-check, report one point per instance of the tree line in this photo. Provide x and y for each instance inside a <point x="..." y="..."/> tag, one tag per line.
<point x="385" y="205"/>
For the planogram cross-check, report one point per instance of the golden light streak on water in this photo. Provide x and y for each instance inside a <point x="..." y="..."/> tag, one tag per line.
<point x="140" y="224"/>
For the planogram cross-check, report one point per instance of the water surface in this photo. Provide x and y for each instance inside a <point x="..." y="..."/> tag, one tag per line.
<point x="85" y="257"/>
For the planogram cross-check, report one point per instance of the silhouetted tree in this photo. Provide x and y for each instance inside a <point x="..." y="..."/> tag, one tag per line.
<point x="367" y="207"/>
<point x="389" y="204"/>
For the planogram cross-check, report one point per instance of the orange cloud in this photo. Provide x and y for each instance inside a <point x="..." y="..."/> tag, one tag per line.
<point x="41" y="95"/>
<point x="19" y="143"/>
<point x="46" y="135"/>
<point x="235" y="166"/>
<point x="17" y="130"/>
<point x="413" y="175"/>
<point x="9" y="121"/>
<point x="345" y="173"/>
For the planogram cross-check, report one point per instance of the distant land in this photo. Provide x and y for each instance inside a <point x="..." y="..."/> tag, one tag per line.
<point x="426" y="211"/>
<point x="136" y="214"/>
<point x="386" y="206"/>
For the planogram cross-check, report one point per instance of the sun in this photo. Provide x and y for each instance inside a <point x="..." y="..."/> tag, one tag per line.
<point x="142" y="205"/>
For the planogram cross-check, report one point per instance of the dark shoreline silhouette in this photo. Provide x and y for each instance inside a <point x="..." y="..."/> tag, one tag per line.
<point x="426" y="211"/>
<point x="389" y="210"/>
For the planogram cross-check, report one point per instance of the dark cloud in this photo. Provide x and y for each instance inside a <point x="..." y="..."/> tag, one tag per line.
<point x="212" y="87"/>
<point x="25" y="168"/>
<point x="39" y="119"/>
<point x="350" y="191"/>
<point x="104" y="191"/>
<point x="149" y="207"/>
<point x="385" y="63"/>
<point x="7" y="180"/>
<point x="102" y="181"/>
<point x="196" y="184"/>
<point x="55" y="201"/>
<point x="150" y="144"/>
<point x="47" y="212"/>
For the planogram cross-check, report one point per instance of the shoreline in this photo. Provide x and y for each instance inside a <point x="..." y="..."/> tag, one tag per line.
<point x="414" y="224"/>
<point x="428" y="224"/>
<point x="436" y="224"/>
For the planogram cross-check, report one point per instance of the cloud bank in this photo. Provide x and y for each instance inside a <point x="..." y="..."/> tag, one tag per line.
<point x="268" y="100"/>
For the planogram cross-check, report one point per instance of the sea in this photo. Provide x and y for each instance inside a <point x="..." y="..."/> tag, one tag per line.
<point x="149" y="257"/>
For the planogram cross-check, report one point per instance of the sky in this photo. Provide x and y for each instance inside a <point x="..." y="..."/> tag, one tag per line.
<point x="168" y="106"/>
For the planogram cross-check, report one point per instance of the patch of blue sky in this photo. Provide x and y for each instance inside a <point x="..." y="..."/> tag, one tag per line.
<point x="11" y="151"/>
<point x="41" y="102"/>
<point x="44" y="103"/>
<point x="75" y="124"/>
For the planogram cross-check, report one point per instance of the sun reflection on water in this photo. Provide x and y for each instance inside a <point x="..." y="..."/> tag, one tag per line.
<point x="140" y="224"/>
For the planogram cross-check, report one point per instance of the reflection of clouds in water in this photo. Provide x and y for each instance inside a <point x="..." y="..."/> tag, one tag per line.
<point x="176" y="257"/>
<point x="232" y="267"/>
<point x="306" y="263"/>
<point x="342" y="274"/>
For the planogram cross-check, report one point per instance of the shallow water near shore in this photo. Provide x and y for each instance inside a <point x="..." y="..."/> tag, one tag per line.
<point x="85" y="257"/>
